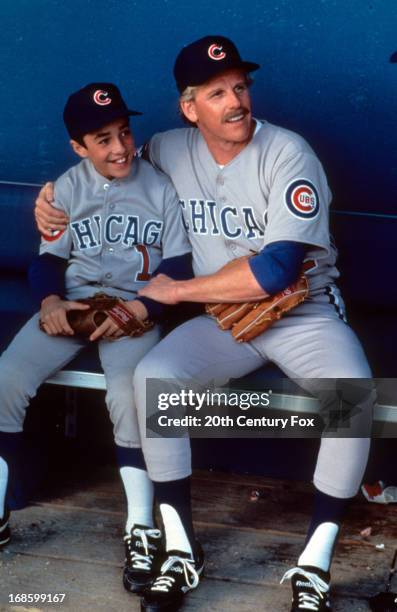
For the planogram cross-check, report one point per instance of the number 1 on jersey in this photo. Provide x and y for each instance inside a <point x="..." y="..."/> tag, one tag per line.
<point x="144" y="274"/>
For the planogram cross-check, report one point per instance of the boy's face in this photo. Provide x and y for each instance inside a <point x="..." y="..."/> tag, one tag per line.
<point x="111" y="149"/>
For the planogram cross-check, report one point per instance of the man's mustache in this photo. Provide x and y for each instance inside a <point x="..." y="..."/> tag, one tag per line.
<point x="236" y="113"/>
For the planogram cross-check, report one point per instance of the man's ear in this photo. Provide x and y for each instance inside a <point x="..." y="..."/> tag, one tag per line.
<point x="188" y="108"/>
<point x="78" y="148"/>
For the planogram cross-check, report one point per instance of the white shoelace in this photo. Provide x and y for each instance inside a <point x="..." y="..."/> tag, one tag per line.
<point x="138" y="560"/>
<point x="164" y="583"/>
<point x="308" y="601"/>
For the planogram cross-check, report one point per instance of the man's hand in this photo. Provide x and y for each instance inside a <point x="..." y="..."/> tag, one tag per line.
<point x="110" y="330"/>
<point x="53" y="315"/>
<point x="47" y="217"/>
<point x="163" y="289"/>
<point x="234" y="282"/>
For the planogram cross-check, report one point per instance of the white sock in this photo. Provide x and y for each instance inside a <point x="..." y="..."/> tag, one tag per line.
<point x="318" y="550"/>
<point x="175" y="535"/>
<point x="139" y="492"/>
<point x="3" y="485"/>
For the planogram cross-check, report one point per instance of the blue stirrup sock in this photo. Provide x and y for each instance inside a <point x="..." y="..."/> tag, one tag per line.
<point x="174" y="500"/>
<point x="323" y="530"/>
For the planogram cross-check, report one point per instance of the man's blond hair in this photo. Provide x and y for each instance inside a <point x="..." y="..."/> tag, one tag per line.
<point x="188" y="94"/>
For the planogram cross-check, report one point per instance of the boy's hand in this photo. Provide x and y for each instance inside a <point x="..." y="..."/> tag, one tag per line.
<point x="138" y="309"/>
<point x="47" y="217"/>
<point x="53" y="315"/>
<point x="110" y="330"/>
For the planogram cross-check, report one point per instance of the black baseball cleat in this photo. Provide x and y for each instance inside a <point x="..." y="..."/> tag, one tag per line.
<point x="179" y="574"/>
<point x="143" y="556"/>
<point x="5" y="534"/>
<point x="310" y="587"/>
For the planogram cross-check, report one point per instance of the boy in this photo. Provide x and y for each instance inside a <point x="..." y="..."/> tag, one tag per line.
<point x="125" y="223"/>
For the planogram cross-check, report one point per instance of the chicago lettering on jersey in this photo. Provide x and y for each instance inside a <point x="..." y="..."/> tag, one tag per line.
<point x="125" y="229"/>
<point x="207" y="217"/>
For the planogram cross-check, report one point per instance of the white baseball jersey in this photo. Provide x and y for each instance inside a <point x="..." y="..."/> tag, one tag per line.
<point x="275" y="189"/>
<point x="119" y="230"/>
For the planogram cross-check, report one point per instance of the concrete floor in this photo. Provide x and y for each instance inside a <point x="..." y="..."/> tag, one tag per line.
<point x="252" y="530"/>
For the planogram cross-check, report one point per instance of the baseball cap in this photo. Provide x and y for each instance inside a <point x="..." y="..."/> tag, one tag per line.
<point x="206" y="58"/>
<point x="92" y="107"/>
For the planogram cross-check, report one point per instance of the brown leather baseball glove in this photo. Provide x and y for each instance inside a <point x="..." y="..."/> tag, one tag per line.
<point x="249" y="319"/>
<point x="85" y="322"/>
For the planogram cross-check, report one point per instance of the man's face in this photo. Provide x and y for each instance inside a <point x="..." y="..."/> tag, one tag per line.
<point x="222" y="108"/>
<point x="111" y="149"/>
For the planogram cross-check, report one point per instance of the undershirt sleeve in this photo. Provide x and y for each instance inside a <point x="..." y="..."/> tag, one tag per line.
<point x="178" y="268"/>
<point x="278" y="265"/>
<point x="47" y="276"/>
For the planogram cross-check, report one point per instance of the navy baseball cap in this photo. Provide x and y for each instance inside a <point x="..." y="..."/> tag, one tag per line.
<point x="206" y="58"/>
<point x="92" y="107"/>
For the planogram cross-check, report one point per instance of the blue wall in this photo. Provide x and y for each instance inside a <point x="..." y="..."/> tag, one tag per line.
<point x="325" y="73"/>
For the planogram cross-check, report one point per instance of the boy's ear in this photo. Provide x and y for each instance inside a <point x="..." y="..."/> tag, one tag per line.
<point x="78" y="148"/>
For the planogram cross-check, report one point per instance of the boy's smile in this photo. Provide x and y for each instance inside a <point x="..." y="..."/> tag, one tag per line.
<point x="111" y="149"/>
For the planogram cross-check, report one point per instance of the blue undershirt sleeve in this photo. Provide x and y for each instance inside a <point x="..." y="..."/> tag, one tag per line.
<point x="47" y="276"/>
<point x="278" y="265"/>
<point x="178" y="268"/>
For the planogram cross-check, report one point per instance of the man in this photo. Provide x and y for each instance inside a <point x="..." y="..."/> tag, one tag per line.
<point x="247" y="186"/>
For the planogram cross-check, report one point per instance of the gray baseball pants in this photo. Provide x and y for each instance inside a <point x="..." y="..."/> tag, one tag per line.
<point x="311" y="343"/>
<point x="33" y="356"/>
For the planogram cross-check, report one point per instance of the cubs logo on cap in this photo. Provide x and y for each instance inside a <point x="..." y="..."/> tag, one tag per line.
<point x="301" y="199"/>
<point x="92" y="107"/>
<point x="216" y="52"/>
<point x="101" y="97"/>
<point x="205" y="58"/>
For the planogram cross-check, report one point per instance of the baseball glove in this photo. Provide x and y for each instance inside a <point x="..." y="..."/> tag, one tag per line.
<point x="249" y="319"/>
<point x="85" y="322"/>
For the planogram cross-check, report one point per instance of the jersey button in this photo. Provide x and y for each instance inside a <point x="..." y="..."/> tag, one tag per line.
<point x="222" y="199"/>
<point x="106" y="186"/>
<point x="112" y="206"/>
<point x="108" y="275"/>
<point x="111" y="250"/>
<point x="220" y="180"/>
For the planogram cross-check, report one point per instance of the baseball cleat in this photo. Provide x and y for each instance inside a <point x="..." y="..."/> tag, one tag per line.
<point x="143" y="554"/>
<point x="310" y="587"/>
<point x="179" y="574"/>
<point x="5" y="534"/>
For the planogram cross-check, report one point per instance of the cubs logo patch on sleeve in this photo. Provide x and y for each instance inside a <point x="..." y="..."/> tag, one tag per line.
<point x="301" y="199"/>
<point x="55" y="235"/>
